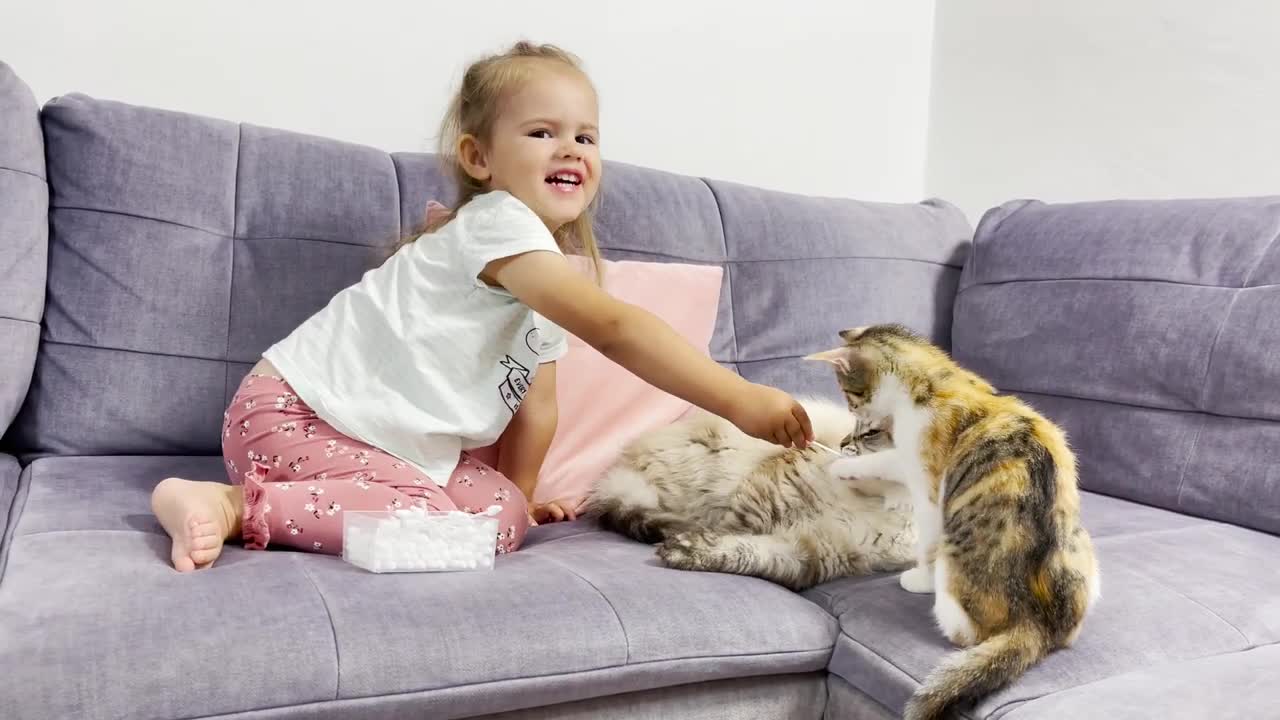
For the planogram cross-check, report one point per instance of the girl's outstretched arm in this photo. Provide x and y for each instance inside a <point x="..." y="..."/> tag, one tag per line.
<point x="644" y="344"/>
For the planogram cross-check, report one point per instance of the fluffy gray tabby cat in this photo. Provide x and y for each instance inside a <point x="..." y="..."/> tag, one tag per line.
<point x="721" y="501"/>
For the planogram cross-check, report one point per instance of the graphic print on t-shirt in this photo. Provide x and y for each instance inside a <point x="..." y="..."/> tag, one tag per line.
<point x="516" y="384"/>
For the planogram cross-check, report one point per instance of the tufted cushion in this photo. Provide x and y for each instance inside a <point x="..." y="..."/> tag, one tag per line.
<point x="1148" y="329"/>
<point x="24" y="234"/>
<point x="183" y="246"/>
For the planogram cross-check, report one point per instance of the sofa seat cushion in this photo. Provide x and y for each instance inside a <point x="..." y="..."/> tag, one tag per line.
<point x="1175" y="589"/>
<point x="95" y="624"/>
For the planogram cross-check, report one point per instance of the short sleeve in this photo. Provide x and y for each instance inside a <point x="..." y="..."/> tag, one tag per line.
<point x="498" y="225"/>
<point x="553" y="340"/>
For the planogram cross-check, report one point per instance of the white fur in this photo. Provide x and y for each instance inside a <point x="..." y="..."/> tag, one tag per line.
<point x="628" y="486"/>
<point x="671" y="473"/>
<point x="916" y="580"/>
<point x="904" y="465"/>
<point x="954" y="622"/>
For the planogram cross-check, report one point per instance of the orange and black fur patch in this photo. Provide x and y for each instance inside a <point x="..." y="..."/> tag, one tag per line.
<point x="1003" y="478"/>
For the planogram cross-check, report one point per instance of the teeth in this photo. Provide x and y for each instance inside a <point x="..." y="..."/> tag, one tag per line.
<point x="565" y="177"/>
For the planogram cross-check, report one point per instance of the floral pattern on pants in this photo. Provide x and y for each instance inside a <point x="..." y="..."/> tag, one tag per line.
<point x="300" y="474"/>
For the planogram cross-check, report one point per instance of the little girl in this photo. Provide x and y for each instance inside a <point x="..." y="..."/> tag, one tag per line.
<point x="450" y="345"/>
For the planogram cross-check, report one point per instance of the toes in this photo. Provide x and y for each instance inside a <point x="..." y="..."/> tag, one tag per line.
<point x="205" y="555"/>
<point x="183" y="563"/>
<point x="206" y="542"/>
<point x="202" y="529"/>
<point x="676" y="552"/>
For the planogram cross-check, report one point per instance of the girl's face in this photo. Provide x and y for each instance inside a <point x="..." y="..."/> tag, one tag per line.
<point x="545" y="146"/>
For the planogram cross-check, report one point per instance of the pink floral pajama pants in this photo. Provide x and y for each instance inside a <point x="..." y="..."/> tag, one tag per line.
<point x="300" y="474"/>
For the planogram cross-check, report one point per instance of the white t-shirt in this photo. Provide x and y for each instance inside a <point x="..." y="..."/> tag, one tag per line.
<point x="422" y="358"/>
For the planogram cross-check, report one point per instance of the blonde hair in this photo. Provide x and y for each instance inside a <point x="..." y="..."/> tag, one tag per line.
<point x="474" y="110"/>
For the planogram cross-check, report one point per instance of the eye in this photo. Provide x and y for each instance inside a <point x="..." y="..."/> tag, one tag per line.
<point x="586" y="140"/>
<point x="542" y="134"/>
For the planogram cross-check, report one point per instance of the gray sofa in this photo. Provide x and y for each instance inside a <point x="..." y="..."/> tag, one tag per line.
<point x="149" y="256"/>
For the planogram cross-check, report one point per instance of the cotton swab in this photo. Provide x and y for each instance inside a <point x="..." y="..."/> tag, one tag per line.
<point x="819" y="445"/>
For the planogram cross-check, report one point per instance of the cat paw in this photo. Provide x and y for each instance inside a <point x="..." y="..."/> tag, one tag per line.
<point x="846" y="468"/>
<point x="897" y="499"/>
<point x="916" y="580"/>
<point x="685" y="551"/>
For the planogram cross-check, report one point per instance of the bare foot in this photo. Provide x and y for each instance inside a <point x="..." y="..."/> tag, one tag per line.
<point x="199" y="517"/>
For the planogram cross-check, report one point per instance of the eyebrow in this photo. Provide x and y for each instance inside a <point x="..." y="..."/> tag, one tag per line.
<point x="545" y="121"/>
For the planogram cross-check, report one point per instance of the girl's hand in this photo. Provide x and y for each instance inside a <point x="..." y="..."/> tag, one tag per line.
<point x="771" y="414"/>
<point x="555" y="511"/>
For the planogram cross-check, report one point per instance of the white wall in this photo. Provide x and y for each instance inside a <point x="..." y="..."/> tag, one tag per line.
<point x="1092" y="99"/>
<point x="822" y="97"/>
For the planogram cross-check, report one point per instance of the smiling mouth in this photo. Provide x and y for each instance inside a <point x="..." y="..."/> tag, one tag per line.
<point x="564" y="180"/>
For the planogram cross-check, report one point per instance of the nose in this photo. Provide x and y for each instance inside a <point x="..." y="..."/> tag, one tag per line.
<point x="570" y="149"/>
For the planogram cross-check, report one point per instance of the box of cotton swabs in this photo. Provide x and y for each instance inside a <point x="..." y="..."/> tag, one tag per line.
<point x="415" y="540"/>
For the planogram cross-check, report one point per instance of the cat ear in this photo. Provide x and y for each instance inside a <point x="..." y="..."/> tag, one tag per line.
<point x="853" y="333"/>
<point x="841" y="357"/>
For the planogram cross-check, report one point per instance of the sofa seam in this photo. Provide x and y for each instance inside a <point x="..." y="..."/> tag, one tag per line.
<point x="333" y="628"/>
<point x="886" y="660"/>
<point x="1191" y="454"/>
<point x="1258" y="263"/>
<point x="15" y="510"/>
<point x="395" y="175"/>
<point x="1184" y="596"/>
<point x="540" y="543"/>
<point x="239" y="713"/>
<point x="670" y="256"/>
<point x="1204" y="386"/>
<point x="1208" y="368"/>
<point x="626" y="637"/>
<point x="1153" y="281"/>
<point x="980" y="231"/>
<point x="1023" y="701"/>
<point x="231" y="282"/>
<point x="207" y="231"/>
<point x="1193" y="411"/>
<point x="728" y="273"/>
<point x="1163" y="531"/>
<point x="20" y="320"/>
<point x="864" y="693"/>
<point x="1202" y="523"/>
<point x="48" y="341"/>
<point x="1020" y="701"/>
<point x="68" y="531"/>
<point x="28" y="173"/>
<point x="748" y="261"/>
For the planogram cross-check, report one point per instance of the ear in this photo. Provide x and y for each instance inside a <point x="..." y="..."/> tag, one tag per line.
<point x="472" y="158"/>
<point x="853" y="333"/>
<point x="841" y="357"/>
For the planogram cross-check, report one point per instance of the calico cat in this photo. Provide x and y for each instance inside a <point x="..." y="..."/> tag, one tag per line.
<point x="997" y="510"/>
<point x="719" y="500"/>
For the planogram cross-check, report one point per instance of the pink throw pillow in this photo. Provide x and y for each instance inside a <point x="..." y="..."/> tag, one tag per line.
<point x="602" y="406"/>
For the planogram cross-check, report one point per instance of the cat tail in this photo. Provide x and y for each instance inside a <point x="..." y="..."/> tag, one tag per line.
<point x="968" y="675"/>
<point x="641" y="525"/>
<point x="638" y="523"/>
